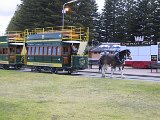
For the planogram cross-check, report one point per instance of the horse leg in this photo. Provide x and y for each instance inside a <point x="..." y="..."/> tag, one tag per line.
<point x="100" y="68"/>
<point x="112" y="72"/>
<point x="121" y="69"/>
<point x="103" y="70"/>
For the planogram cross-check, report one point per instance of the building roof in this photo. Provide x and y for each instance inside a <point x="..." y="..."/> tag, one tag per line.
<point x="105" y="47"/>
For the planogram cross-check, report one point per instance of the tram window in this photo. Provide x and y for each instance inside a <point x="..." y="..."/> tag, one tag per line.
<point x="5" y="50"/>
<point x="58" y="51"/>
<point x="29" y="50"/>
<point x="36" y="50"/>
<point x="41" y="51"/>
<point x="1" y="50"/>
<point x="49" y="50"/>
<point x="18" y="51"/>
<point x="33" y="51"/>
<point x="65" y="50"/>
<point x="45" y="50"/>
<point x="54" y="51"/>
<point x="12" y="50"/>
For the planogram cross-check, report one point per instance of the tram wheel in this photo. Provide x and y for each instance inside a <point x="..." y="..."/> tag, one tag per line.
<point x="38" y="69"/>
<point x="5" y="67"/>
<point x="32" y="69"/>
<point x="17" y="67"/>
<point x="54" y="70"/>
<point x="70" y="71"/>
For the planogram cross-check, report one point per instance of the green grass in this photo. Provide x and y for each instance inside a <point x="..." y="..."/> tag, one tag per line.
<point x="41" y="96"/>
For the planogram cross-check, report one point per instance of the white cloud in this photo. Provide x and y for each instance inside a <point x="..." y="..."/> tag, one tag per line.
<point x="100" y="4"/>
<point x="7" y="8"/>
<point x="4" y="21"/>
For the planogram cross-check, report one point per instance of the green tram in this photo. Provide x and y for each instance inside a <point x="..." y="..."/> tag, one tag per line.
<point x="57" y="48"/>
<point x="53" y="49"/>
<point x="11" y="46"/>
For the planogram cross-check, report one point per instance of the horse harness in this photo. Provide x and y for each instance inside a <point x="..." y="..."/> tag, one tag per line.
<point x="118" y="59"/>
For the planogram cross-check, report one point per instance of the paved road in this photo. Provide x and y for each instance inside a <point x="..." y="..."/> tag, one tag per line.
<point x="118" y="76"/>
<point x="130" y="73"/>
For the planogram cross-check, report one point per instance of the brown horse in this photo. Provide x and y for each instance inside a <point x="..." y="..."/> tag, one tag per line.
<point x="114" y="60"/>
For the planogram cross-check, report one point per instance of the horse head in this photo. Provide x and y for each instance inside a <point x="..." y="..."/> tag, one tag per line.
<point x="126" y="54"/>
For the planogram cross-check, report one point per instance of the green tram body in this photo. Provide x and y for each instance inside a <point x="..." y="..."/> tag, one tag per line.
<point x="10" y="52"/>
<point x="48" y="49"/>
<point x="3" y="51"/>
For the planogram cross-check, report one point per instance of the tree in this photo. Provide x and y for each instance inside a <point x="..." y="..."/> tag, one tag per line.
<point x="45" y="13"/>
<point x="156" y="20"/>
<point x="120" y="10"/>
<point x="141" y="17"/>
<point x="108" y="17"/>
<point x="123" y="19"/>
<point x="130" y="20"/>
<point x="41" y="13"/>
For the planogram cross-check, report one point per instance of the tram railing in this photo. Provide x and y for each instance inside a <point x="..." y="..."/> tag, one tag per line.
<point x="67" y="33"/>
<point x="15" y="36"/>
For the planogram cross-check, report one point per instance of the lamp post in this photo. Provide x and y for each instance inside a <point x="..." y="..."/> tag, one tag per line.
<point x="63" y="11"/>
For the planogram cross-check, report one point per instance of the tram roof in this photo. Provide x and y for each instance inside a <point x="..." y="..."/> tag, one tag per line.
<point x="71" y="41"/>
<point x="16" y="43"/>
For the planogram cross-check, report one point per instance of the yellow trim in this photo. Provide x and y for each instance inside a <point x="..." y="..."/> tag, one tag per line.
<point x="2" y="42"/>
<point x="4" y="62"/>
<point x="45" y="64"/>
<point x="57" y="65"/>
<point x="15" y="36"/>
<point x="19" y="39"/>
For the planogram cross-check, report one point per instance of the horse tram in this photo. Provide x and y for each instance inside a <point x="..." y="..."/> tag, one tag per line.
<point x="11" y="46"/>
<point x="53" y="49"/>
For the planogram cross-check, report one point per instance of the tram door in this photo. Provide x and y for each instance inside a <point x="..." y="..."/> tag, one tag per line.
<point x="66" y="53"/>
<point x="15" y="54"/>
<point x="12" y="55"/>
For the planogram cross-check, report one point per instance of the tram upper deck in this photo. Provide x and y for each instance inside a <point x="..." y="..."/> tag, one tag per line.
<point x="69" y="33"/>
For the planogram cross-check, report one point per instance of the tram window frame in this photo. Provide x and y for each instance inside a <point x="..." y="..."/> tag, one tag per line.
<point x="1" y="51"/>
<point x="45" y="50"/>
<point x="29" y="50"/>
<point x="5" y="51"/>
<point x="66" y="50"/>
<point x="41" y="50"/>
<point x="32" y="50"/>
<point x="12" y="50"/>
<point x="36" y="50"/>
<point x="54" y="51"/>
<point x="60" y="51"/>
<point x="18" y="51"/>
<point x="49" y="50"/>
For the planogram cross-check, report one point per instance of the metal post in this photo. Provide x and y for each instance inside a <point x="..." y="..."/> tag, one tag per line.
<point x="63" y="11"/>
<point x="63" y="16"/>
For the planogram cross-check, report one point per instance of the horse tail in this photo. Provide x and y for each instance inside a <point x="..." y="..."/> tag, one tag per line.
<point x="100" y="63"/>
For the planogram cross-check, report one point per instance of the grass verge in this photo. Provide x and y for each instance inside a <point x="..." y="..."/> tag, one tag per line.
<point x="40" y="96"/>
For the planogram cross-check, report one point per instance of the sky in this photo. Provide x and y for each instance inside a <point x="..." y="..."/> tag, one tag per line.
<point x="8" y="7"/>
